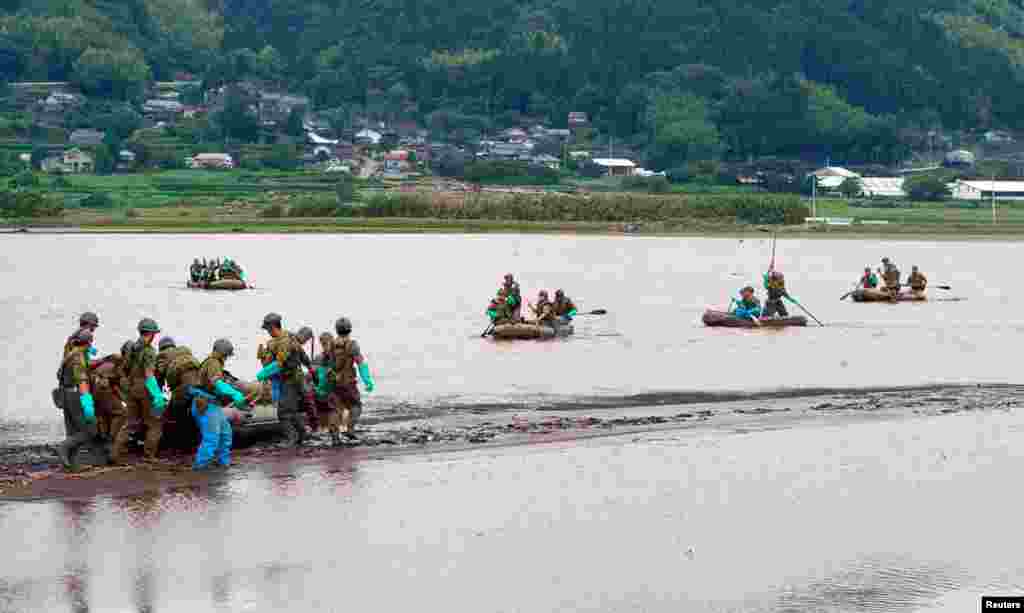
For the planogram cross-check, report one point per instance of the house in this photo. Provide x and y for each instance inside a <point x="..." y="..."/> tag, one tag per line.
<point x="210" y="160"/>
<point x="506" y="151"/>
<point x="835" y="171"/>
<point x="997" y="136"/>
<point x="579" y="155"/>
<point x="275" y="108"/>
<point x="545" y="159"/>
<point x="514" y="135"/>
<point x="559" y="134"/>
<point x="959" y="158"/>
<point x="191" y="112"/>
<point x="578" y="120"/>
<point x="72" y="161"/>
<point x="988" y="190"/>
<point x="162" y="108"/>
<point x="60" y="101"/>
<point x="369" y="137"/>
<point x="882" y="187"/>
<point x="87" y="138"/>
<point x="616" y="167"/>
<point x="125" y="160"/>
<point x="398" y="161"/>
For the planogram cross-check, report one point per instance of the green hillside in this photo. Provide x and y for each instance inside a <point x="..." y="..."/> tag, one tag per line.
<point x="678" y="80"/>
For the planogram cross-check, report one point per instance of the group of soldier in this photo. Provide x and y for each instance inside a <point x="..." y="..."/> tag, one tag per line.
<point x="506" y="306"/>
<point x="106" y="401"/>
<point x="215" y="269"/>
<point x="890" y="275"/>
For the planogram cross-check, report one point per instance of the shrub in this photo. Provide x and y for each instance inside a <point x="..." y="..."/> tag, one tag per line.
<point x="273" y="211"/>
<point x="97" y="200"/>
<point x="15" y="204"/>
<point x="25" y="180"/>
<point x="313" y="209"/>
<point x="346" y="188"/>
<point x="655" y="185"/>
<point x="500" y="171"/>
<point x="132" y="214"/>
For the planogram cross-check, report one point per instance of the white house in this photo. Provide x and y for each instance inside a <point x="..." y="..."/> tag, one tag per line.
<point x="616" y="167"/>
<point x="372" y="136"/>
<point x="73" y="161"/>
<point x="211" y="160"/>
<point x="984" y="190"/>
<point x="888" y="187"/>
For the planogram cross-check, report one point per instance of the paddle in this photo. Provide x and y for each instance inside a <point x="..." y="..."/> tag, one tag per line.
<point x="489" y="329"/>
<point x="811" y="315"/>
<point x="945" y="287"/>
<point x="594" y="312"/>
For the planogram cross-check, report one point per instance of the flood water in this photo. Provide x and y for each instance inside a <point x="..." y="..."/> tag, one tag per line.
<point x="908" y="514"/>
<point x="417" y="304"/>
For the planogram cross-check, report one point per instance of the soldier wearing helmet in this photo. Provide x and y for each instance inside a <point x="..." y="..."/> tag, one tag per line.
<point x="75" y="393"/>
<point x="144" y="398"/>
<point x="88" y="321"/>
<point x="747" y="306"/>
<point x="498" y="310"/>
<point x="207" y="400"/>
<point x="565" y="310"/>
<point x="283" y="361"/>
<point x="178" y="369"/>
<point x="195" y="271"/>
<point x="890" y="276"/>
<point x="917" y="281"/>
<point x="544" y="310"/>
<point x="775" y="284"/>
<point x="343" y="361"/>
<point x="513" y="296"/>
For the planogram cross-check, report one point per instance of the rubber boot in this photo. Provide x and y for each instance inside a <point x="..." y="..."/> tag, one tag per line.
<point x="64" y="456"/>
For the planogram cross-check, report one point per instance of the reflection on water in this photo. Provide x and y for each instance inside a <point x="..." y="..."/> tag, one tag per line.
<point x="872" y="516"/>
<point x="418" y="308"/>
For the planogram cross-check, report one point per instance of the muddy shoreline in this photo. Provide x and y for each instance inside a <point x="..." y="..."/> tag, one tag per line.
<point x="32" y="473"/>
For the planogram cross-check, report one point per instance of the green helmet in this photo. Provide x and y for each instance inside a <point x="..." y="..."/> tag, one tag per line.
<point x="148" y="326"/>
<point x="166" y="343"/>
<point x="224" y="347"/>
<point x="343" y="326"/>
<point x="89" y="319"/>
<point x="272" y="320"/>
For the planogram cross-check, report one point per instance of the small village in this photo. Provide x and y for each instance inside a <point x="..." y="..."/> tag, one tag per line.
<point x="96" y="157"/>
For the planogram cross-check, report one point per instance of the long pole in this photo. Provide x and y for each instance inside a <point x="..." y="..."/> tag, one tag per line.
<point x="814" y="197"/>
<point x="993" y="186"/>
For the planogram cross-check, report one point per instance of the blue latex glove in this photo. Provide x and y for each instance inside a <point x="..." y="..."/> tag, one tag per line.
<point x="92" y="352"/>
<point x="88" y="408"/>
<point x="236" y="396"/>
<point x="158" y="398"/>
<point x="268" y="371"/>
<point x="321" y="381"/>
<point x="364" y="374"/>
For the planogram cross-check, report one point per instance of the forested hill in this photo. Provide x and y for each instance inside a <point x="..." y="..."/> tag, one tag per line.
<point x="750" y="77"/>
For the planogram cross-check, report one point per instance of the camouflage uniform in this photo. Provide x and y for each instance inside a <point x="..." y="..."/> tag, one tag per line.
<point x="343" y="398"/>
<point x="290" y="357"/>
<point x="75" y="371"/>
<point x="891" y="277"/>
<point x="917" y="282"/>
<point x="564" y="306"/>
<point x="105" y="391"/>
<point x="178" y="369"/>
<point x="139" y="403"/>
<point x="545" y="312"/>
<point x="210" y="371"/>
<point x="776" y="289"/>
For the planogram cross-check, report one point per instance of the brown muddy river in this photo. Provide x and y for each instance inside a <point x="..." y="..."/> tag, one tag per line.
<point x="910" y="511"/>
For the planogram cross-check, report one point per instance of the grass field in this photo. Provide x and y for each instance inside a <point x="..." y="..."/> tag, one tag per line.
<point x="924" y="213"/>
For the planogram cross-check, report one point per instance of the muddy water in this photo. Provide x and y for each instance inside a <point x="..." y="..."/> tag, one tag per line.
<point x="916" y="513"/>
<point x="417" y="304"/>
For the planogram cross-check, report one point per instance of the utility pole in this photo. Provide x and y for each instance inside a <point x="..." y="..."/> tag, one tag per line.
<point x="814" y="197"/>
<point x="992" y="185"/>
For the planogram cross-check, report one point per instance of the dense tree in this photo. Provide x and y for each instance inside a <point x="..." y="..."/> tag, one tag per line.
<point x="926" y="187"/>
<point x="120" y="74"/>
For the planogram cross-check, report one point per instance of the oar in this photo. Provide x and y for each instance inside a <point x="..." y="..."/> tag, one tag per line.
<point x="945" y="287"/>
<point x="811" y="315"/>
<point x="487" y="330"/>
<point x="594" y="312"/>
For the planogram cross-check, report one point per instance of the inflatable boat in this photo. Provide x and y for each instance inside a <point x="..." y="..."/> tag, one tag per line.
<point x="878" y="295"/>
<point x="530" y="331"/>
<point x="722" y="319"/>
<point x="223" y="284"/>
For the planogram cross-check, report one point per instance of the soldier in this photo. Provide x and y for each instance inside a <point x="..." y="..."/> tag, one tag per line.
<point x="88" y="321"/>
<point x="303" y="336"/>
<point x="145" y="401"/>
<point x="565" y="310"/>
<point x="328" y="418"/>
<point x="283" y="359"/>
<point x="207" y="410"/>
<point x="195" y="272"/>
<point x="178" y="369"/>
<point x="513" y="295"/>
<point x="917" y="281"/>
<point x="869" y="280"/>
<point x="891" y="276"/>
<point x="77" y="401"/>
<point x="544" y="310"/>
<point x="498" y="310"/>
<point x="345" y="359"/>
<point x="775" y="284"/>
<point x="747" y="306"/>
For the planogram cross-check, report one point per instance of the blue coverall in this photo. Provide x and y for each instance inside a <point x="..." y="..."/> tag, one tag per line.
<point x="215" y="430"/>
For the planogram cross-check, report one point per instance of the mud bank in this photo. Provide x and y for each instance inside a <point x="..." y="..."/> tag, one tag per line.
<point x="32" y="472"/>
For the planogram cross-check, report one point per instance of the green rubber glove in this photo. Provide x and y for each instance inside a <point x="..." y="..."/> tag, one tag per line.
<point x="268" y="371"/>
<point x="236" y="396"/>
<point x="493" y="314"/>
<point x="571" y="313"/>
<point x="321" y="381"/>
<point x="364" y="374"/>
<point x="158" y="398"/>
<point x="88" y="408"/>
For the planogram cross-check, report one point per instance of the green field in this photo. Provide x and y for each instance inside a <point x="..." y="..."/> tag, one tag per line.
<point x="925" y="213"/>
